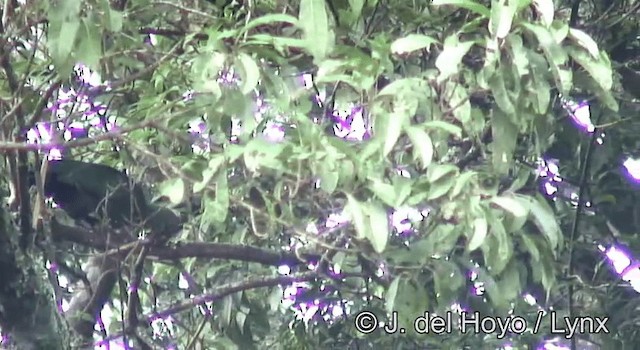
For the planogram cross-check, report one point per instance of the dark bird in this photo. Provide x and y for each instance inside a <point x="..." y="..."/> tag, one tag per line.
<point x="94" y="192"/>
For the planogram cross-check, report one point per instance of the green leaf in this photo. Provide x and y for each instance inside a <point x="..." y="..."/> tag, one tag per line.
<point x="539" y="69"/>
<point x="555" y="54"/>
<point x="249" y="73"/>
<point x="502" y="250"/>
<point x="448" y="280"/>
<point x="412" y="42"/>
<point x="480" y="230"/>
<point x="441" y="187"/>
<point x="268" y="19"/>
<point x="583" y="39"/>
<point x="390" y="297"/>
<point x="442" y="239"/>
<point x="501" y="18"/>
<point x="599" y="70"/>
<point x="438" y="171"/>
<point x="67" y="39"/>
<point x="64" y="10"/>
<point x="410" y="297"/>
<point x="519" y="54"/>
<point x="546" y="10"/>
<point x="328" y="178"/>
<point x="516" y="206"/>
<point x="114" y="19"/>
<point x="356" y="6"/>
<point x="386" y="192"/>
<point x="462" y="182"/>
<point x="444" y="126"/>
<point x="500" y="93"/>
<point x="260" y="153"/>
<point x="315" y="26"/>
<point x="389" y="127"/>
<point x="466" y="4"/>
<point x="546" y="222"/>
<point x="504" y="142"/>
<point x="90" y="49"/>
<point x="509" y="284"/>
<point x="422" y="145"/>
<point x="531" y="246"/>
<point x="355" y="210"/>
<point x="402" y="187"/>
<point x="449" y="59"/>
<point x="379" y="232"/>
<point x="547" y="270"/>
<point x="222" y="197"/>
<point x="174" y="189"/>
<point x="400" y="87"/>
<point x="207" y="174"/>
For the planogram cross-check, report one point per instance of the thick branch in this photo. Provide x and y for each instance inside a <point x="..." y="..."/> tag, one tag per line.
<point x="97" y="240"/>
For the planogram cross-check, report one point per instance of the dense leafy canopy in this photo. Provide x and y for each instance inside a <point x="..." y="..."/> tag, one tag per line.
<point x="329" y="161"/>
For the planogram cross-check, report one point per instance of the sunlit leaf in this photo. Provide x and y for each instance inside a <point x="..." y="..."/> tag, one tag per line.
<point x="355" y="210"/>
<point x="501" y="18"/>
<point x="462" y="182"/>
<point x="390" y="127"/>
<point x="516" y="206"/>
<point x="554" y="53"/>
<point x="315" y="26"/>
<point x="519" y="54"/>
<point x="402" y="188"/>
<point x="422" y="145"/>
<point x="207" y="174"/>
<point x="449" y="59"/>
<point x="441" y="187"/>
<point x="546" y="10"/>
<point x="328" y="178"/>
<point x="583" y="39"/>
<point x="386" y="192"/>
<point x="67" y="39"/>
<point x="438" y="171"/>
<point x="444" y="126"/>
<point x="173" y="189"/>
<point x="600" y="70"/>
<point x="480" y="229"/>
<point x="411" y="42"/>
<point x="379" y="232"/>
<point x="250" y="73"/>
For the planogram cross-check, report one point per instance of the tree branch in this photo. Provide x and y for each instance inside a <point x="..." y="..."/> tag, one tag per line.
<point x="97" y="240"/>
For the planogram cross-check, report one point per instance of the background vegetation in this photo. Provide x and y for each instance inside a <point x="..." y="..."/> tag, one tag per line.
<point x="296" y="140"/>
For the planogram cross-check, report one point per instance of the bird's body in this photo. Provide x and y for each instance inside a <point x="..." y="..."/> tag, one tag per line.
<point x="94" y="192"/>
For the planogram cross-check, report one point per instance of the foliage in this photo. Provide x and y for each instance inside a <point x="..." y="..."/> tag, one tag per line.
<point x="459" y="98"/>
